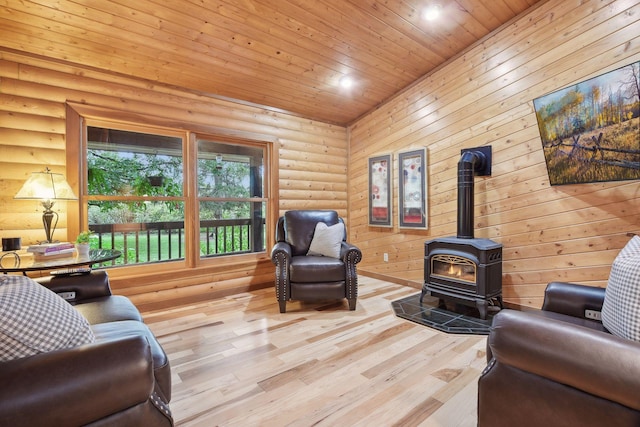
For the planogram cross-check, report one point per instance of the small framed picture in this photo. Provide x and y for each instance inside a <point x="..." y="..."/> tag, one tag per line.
<point x="412" y="188"/>
<point x="380" y="201"/>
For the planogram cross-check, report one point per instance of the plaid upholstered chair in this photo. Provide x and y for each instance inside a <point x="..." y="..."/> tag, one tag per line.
<point x="313" y="260"/>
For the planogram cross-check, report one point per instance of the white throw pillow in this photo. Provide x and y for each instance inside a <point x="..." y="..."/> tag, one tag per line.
<point x="621" y="308"/>
<point x="34" y="319"/>
<point x="327" y="240"/>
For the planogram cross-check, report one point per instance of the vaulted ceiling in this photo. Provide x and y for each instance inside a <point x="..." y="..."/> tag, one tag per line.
<point x="288" y="55"/>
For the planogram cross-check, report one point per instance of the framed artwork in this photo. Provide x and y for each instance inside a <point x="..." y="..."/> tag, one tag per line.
<point x="590" y="131"/>
<point x="412" y="188"/>
<point x="380" y="202"/>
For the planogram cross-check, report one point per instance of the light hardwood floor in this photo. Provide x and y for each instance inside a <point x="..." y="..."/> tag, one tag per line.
<point x="237" y="361"/>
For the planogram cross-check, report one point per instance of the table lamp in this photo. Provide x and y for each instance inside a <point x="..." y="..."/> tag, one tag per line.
<point x="47" y="187"/>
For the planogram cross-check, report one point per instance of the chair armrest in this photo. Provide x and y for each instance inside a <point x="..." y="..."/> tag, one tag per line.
<point x="281" y="257"/>
<point x="350" y="253"/>
<point x="595" y="362"/>
<point x="281" y="249"/>
<point x="78" y="385"/>
<point x="85" y="286"/>
<point x="572" y="299"/>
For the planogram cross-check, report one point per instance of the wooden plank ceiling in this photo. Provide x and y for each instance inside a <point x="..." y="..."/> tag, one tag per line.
<point x="285" y="54"/>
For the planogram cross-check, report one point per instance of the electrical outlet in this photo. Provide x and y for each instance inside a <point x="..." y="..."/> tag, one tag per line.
<point x="592" y="314"/>
<point x="67" y="295"/>
<point x="385" y="257"/>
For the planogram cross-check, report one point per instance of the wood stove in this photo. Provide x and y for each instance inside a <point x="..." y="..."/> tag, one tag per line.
<point x="464" y="269"/>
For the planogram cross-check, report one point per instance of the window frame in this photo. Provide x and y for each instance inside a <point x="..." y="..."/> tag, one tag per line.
<point x="80" y="116"/>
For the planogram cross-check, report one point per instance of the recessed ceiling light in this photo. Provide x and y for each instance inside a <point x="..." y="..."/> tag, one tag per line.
<point x="346" y="81"/>
<point x="432" y="12"/>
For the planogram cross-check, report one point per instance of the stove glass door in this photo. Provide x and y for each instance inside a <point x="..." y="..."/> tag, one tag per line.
<point x="454" y="267"/>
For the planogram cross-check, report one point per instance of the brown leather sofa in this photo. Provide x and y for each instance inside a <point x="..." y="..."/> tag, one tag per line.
<point x="122" y="379"/>
<point x="557" y="367"/>
<point x="307" y="277"/>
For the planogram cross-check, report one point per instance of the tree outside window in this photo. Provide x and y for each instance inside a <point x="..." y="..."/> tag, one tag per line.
<point x="135" y="187"/>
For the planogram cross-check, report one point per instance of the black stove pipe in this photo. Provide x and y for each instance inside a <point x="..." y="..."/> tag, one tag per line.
<point x="469" y="162"/>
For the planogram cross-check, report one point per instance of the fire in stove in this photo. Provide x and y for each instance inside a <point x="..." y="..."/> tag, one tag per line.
<point x="465" y="269"/>
<point x="455" y="267"/>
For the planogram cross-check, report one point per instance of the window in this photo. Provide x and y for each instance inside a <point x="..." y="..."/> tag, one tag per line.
<point x="141" y="194"/>
<point x="231" y="197"/>
<point x="134" y="188"/>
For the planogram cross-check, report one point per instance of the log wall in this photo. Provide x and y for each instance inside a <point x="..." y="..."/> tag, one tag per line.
<point x="485" y="97"/>
<point x="33" y="92"/>
<point x="482" y="97"/>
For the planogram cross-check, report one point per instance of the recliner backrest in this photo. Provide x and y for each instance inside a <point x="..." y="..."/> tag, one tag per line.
<point x="298" y="227"/>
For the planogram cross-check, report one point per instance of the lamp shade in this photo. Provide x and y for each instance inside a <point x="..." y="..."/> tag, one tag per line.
<point x="46" y="186"/>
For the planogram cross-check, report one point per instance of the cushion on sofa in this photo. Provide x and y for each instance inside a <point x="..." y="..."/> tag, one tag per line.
<point x="621" y="307"/>
<point x="327" y="240"/>
<point x="33" y="320"/>
<point x="108" y="309"/>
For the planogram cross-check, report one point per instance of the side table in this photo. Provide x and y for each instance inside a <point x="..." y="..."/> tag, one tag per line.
<point x="22" y="262"/>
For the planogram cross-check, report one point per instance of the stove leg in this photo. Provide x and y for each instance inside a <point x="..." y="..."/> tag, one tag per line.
<point x="423" y="293"/>
<point x="482" y="308"/>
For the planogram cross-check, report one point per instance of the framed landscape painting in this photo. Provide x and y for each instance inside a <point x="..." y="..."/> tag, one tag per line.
<point x="380" y="202"/>
<point x="590" y="131"/>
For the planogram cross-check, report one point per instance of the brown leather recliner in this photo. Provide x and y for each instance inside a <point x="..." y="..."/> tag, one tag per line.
<point x="557" y="367"/>
<point x="121" y="379"/>
<point x="309" y="277"/>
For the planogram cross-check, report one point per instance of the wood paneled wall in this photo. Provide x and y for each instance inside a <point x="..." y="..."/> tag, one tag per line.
<point x="33" y="92"/>
<point x="485" y="97"/>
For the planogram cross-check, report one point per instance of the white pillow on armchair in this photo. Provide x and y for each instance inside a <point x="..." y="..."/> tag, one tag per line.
<point x="327" y="240"/>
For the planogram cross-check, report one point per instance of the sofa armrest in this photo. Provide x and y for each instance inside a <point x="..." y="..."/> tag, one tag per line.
<point x="83" y="286"/>
<point x="595" y="362"/>
<point x="78" y="385"/>
<point x="573" y="299"/>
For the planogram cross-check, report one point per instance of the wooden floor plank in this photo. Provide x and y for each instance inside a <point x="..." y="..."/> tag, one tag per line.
<point x="238" y="361"/>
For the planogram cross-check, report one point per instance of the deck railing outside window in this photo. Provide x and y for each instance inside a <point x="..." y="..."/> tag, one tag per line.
<point x="164" y="241"/>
